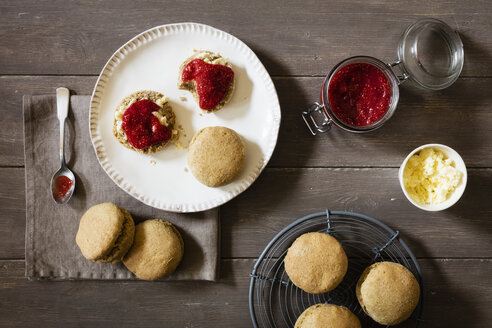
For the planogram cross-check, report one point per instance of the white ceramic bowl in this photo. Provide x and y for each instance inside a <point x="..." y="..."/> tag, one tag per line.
<point x="460" y="165"/>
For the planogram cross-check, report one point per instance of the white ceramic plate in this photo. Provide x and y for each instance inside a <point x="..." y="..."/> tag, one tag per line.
<point x="150" y="61"/>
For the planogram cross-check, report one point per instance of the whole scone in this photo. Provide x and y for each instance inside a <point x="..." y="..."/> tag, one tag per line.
<point x="327" y="316"/>
<point x="388" y="292"/>
<point x="105" y="233"/>
<point x="216" y="155"/>
<point x="208" y="57"/>
<point x="164" y="114"/>
<point x="316" y="262"/>
<point x="157" y="250"/>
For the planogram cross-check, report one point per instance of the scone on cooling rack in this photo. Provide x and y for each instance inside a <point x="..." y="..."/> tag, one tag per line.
<point x="105" y="233"/>
<point x="327" y="316"/>
<point x="316" y="262"/>
<point x="388" y="292"/>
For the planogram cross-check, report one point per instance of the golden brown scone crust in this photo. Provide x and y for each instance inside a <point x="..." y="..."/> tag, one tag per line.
<point x="216" y="155"/>
<point x="316" y="262"/>
<point x="105" y="233"/>
<point x="327" y="316"/>
<point x="124" y="241"/>
<point x="388" y="292"/>
<point x="156" y="251"/>
<point x="167" y="111"/>
<point x="191" y="85"/>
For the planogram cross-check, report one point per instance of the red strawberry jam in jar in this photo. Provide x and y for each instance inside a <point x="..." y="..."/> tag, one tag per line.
<point x="361" y="93"/>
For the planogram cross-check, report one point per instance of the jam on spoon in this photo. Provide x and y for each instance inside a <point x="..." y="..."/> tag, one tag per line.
<point x="61" y="187"/>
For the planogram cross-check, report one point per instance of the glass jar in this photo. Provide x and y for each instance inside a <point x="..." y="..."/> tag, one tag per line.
<point x="430" y="56"/>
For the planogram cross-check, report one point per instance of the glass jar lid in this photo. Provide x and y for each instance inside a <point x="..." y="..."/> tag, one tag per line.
<point x="430" y="54"/>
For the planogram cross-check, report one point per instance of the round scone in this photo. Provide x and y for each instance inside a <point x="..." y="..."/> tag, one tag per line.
<point x="144" y="122"/>
<point x="157" y="250"/>
<point x="316" y="262"/>
<point x="105" y="233"/>
<point x="327" y="316"/>
<point x="209" y="77"/>
<point x="388" y="292"/>
<point x="216" y="155"/>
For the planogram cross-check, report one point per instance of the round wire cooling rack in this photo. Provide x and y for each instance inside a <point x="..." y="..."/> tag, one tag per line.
<point x="274" y="301"/>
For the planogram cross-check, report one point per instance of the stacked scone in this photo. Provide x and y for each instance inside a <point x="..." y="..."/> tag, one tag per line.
<point x="151" y="250"/>
<point x="157" y="250"/>
<point x="144" y="121"/>
<point x="316" y="263"/>
<point x="105" y="233"/>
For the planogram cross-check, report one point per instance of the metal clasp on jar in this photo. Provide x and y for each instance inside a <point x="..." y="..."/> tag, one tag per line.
<point x="316" y="119"/>
<point x="401" y="74"/>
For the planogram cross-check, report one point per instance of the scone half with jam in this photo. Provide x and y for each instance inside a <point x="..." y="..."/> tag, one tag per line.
<point x="209" y="77"/>
<point x="144" y="122"/>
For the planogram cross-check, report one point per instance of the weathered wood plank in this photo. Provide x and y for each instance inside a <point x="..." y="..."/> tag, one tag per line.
<point x="458" y="117"/>
<point x="13" y="212"/>
<point x="290" y="37"/>
<point x="11" y="125"/>
<point x="26" y="303"/>
<point x="282" y="195"/>
<point x="457" y="293"/>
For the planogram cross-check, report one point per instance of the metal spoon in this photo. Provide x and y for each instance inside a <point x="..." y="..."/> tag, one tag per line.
<point x="61" y="188"/>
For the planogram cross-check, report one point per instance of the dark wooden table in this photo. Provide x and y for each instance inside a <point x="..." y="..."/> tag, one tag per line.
<point x="46" y="44"/>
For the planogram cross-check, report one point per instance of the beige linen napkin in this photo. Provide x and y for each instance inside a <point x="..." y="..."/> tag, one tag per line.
<point x="51" y="251"/>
